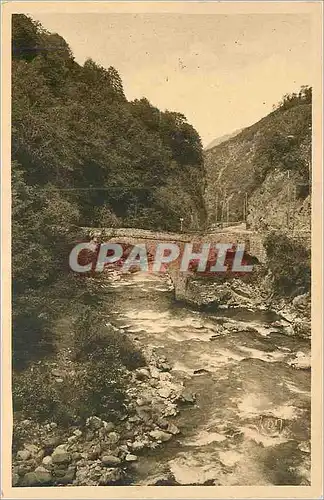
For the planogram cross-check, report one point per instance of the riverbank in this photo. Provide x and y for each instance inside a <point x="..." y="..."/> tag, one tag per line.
<point x="213" y="366"/>
<point x="96" y="451"/>
<point x="255" y="293"/>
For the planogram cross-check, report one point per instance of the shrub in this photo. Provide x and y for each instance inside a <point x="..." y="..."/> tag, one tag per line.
<point x="289" y="262"/>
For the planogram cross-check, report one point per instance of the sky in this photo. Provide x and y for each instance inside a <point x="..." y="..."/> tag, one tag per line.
<point x="223" y="72"/>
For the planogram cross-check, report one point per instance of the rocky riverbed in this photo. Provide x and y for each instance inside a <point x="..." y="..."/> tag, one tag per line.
<point x="224" y="397"/>
<point x="101" y="452"/>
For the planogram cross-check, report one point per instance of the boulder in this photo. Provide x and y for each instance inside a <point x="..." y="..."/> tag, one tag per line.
<point x="305" y="447"/>
<point x="37" y="478"/>
<point x="60" y="456"/>
<point x="108" y="426"/>
<point x="173" y="429"/>
<point x="113" y="437"/>
<point x="47" y="461"/>
<point x="187" y="396"/>
<point x="110" y="476"/>
<point x="15" y="479"/>
<point x="139" y="444"/>
<point x="165" y="392"/>
<point x="23" y="455"/>
<point x="94" y="423"/>
<point x="302" y="361"/>
<point x="110" y="461"/>
<point x="131" y="458"/>
<point x="33" y="449"/>
<point x="142" y="374"/>
<point x="58" y="373"/>
<point x="155" y="373"/>
<point x="68" y="477"/>
<point x="162" y="422"/>
<point x="159" y="435"/>
<point x="301" y="301"/>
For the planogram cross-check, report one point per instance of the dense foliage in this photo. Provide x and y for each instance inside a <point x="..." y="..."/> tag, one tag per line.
<point x="74" y="129"/>
<point x="289" y="152"/>
<point x="83" y="155"/>
<point x="289" y="262"/>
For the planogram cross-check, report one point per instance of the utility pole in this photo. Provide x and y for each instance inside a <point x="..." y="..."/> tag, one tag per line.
<point x="136" y="207"/>
<point x="222" y="213"/>
<point x="227" y="210"/>
<point x="181" y="224"/>
<point x="288" y="199"/>
<point x="223" y="206"/>
<point x="216" y="215"/>
<point x="310" y="177"/>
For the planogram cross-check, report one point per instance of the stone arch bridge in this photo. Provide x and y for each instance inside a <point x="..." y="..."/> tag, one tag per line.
<point x="253" y="241"/>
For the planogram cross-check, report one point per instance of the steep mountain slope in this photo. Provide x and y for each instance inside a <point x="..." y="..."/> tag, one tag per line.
<point x="263" y="173"/>
<point x="221" y="139"/>
<point x="115" y="162"/>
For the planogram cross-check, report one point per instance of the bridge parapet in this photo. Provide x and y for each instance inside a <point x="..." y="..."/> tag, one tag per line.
<point x="253" y="241"/>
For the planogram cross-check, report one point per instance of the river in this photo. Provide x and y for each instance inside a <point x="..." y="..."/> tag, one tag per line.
<point x="251" y="421"/>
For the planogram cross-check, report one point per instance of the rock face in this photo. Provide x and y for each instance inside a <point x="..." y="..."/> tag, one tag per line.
<point x="264" y="182"/>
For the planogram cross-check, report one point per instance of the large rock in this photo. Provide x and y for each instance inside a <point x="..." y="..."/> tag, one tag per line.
<point x="15" y="479"/>
<point x="187" y="396"/>
<point x="142" y="374"/>
<point x="165" y="392"/>
<point x="68" y="477"/>
<point x="94" y="423"/>
<point x="37" y="478"/>
<point x="173" y="429"/>
<point x="110" y="461"/>
<point x="33" y="449"/>
<point x="47" y="461"/>
<point x="110" y="476"/>
<point x="301" y="301"/>
<point x="61" y="456"/>
<point x="23" y="455"/>
<point x="159" y="435"/>
<point x="302" y="361"/>
<point x="113" y="438"/>
<point x="139" y="444"/>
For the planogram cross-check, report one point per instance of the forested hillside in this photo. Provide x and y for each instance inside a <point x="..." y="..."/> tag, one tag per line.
<point x="128" y="163"/>
<point x="84" y="155"/>
<point x="268" y="167"/>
